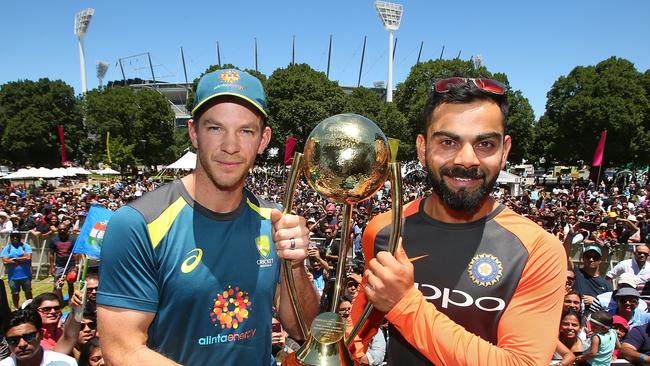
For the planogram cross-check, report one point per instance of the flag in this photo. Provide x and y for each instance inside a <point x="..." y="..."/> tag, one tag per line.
<point x="598" y="154"/>
<point x="62" y="139"/>
<point x="90" y="237"/>
<point x="289" y="148"/>
<point x="394" y="145"/>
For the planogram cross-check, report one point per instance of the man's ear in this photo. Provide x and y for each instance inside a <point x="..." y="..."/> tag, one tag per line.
<point x="266" y="138"/>
<point x="192" y="129"/>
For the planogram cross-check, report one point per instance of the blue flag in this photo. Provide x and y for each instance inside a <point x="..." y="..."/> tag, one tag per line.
<point x="90" y="237"/>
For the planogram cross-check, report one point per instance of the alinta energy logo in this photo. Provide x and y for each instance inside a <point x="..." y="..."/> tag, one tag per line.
<point x="229" y="310"/>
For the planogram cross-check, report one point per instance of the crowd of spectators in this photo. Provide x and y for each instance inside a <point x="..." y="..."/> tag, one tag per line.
<point x="599" y="219"/>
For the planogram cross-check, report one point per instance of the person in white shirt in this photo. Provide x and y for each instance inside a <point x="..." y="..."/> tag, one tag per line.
<point x="6" y="226"/>
<point x="637" y="266"/>
<point x="23" y="334"/>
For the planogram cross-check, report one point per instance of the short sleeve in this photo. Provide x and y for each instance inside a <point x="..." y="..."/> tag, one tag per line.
<point x="5" y="252"/>
<point x="27" y="248"/>
<point x="128" y="268"/>
<point x="635" y="337"/>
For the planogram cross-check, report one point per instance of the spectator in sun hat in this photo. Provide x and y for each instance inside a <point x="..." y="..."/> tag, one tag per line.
<point x="607" y="300"/>
<point x="627" y="300"/>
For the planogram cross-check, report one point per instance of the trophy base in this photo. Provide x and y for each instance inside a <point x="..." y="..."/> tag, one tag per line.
<point x="325" y="355"/>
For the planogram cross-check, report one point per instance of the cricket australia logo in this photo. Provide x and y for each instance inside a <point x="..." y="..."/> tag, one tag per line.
<point x="229" y="76"/>
<point x="263" y="244"/>
<point x="485" y="270"/>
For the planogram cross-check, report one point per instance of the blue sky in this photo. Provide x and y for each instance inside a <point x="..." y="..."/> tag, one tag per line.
<point x="534" y="43"/>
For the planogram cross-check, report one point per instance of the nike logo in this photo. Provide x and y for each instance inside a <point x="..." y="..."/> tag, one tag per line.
<point x="418" y="257"/>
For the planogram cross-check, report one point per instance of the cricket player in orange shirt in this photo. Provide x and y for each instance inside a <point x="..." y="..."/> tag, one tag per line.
<point x="481" y="285"/>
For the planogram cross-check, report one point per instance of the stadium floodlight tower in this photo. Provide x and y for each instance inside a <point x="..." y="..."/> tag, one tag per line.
<point x="81" y="22"/>
<point x="391" y="15"/>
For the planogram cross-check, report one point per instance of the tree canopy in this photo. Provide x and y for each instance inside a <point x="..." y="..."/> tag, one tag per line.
<point x="612" y="96"/>
<point x="30" y="113"/>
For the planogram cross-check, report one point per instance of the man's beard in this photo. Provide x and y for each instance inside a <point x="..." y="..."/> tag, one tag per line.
<point x="462" y="200"/>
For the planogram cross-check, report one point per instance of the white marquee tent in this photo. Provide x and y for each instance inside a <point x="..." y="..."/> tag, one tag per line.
<point x="187" y="162"/>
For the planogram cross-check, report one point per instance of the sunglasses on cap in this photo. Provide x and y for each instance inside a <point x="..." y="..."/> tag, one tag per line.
<point x="14" y="340"/>
<point x="487" y="85"/>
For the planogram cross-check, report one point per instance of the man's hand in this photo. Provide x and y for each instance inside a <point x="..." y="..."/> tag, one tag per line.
<point x="588" y="300"/>
<point x="76" y="299"/>
<point x="388" y="279"/>
<point x="51" y="270"/>
<point x="290" y="235"/>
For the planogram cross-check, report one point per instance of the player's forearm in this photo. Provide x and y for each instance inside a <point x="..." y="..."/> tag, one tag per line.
<point x="308" y="297"/>
<point x="135" y="355"/>
<point x="71" y="330"/>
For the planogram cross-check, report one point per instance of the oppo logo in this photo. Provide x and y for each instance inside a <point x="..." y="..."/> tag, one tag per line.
<point x="460" y="298"/>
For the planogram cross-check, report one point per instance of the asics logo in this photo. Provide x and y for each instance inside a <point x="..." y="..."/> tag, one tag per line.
<point x="190" y="263"/>
<point x="452" y="297"/>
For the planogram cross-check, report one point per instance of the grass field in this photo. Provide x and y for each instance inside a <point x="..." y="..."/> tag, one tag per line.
<point x="38" y="287"/>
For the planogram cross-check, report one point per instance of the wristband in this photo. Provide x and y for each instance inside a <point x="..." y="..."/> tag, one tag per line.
<point x="642" y="357"/>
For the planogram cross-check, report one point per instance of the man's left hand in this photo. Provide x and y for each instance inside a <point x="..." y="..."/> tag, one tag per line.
<point x="388" y="278"/>
<point x="291" y="235"/>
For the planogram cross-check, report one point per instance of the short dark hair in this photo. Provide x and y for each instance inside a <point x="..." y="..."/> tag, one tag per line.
<point x="46" y="296"/>
<point x="460" y="94"/>
<point x="603" y="317"/>
<point x="573" y="313"/>
<point x="22" y="316"/>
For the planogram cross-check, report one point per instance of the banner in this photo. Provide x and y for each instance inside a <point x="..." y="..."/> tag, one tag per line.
<point x="289" y="149"/>
<point x="394" y="145"/>
<point x="62" y="139"/>
<point x="91" y="236"/>
<point x="600" y="149"/>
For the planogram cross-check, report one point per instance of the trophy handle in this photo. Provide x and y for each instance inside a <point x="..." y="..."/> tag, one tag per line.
<point x="294" y="175"/>
<point x="395" y="234"/>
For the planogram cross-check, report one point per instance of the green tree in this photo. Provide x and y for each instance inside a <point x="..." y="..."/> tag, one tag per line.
<point x="30" y="113"/>
<point x="411" y="97"/>
<point x="367" y="103"/>
<point x="154" y="127"/>
<point x="611" y="96"/>
<point x="299" y="98"/>
<point x="141" y="126"/>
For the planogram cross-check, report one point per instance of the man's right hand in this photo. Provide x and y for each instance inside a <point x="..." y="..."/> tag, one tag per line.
<point x="51" y="270"/>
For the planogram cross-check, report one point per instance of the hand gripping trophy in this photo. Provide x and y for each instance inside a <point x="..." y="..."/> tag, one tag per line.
<point x="346" y="159"/>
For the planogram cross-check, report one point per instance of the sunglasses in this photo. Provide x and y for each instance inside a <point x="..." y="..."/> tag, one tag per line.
<point x="90" y="325"/>
<point x="487" y="85"/>
<point x="14" y="340"/>
<point x="49" y="309"/>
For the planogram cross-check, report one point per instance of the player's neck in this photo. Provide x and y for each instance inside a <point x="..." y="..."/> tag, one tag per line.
<point x="436" y="208"/>
<point x="204" y="192"/>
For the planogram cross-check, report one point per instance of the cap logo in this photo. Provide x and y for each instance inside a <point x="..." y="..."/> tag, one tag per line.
<point x="229" y="76"/>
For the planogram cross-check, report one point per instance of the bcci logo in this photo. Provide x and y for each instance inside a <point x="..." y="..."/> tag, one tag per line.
<point x="229" y="76"/>
<point x="485" y="270"/>
<point x="230" y="308"/>
<point x="263" y="244"/>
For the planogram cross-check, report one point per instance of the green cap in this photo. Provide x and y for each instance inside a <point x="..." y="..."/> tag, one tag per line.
<point x="231" y="82"/>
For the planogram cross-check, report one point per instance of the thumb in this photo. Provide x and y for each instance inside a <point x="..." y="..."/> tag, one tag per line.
<point x="400" y="254"/>
<point x="276" y="215"/>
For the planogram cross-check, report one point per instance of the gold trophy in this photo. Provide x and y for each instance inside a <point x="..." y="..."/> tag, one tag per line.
<point x="346" y="159"/>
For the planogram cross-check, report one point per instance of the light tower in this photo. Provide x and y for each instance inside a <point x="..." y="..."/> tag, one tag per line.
<point x="391" y="15"/>
<point x="81" y="22"/>
<point x="102" y="67"/>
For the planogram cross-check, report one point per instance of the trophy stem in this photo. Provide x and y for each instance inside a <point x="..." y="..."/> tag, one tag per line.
<point x="343" y="256"/>
<point x="290" y="191"/>
<point x="395" y="234"/>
